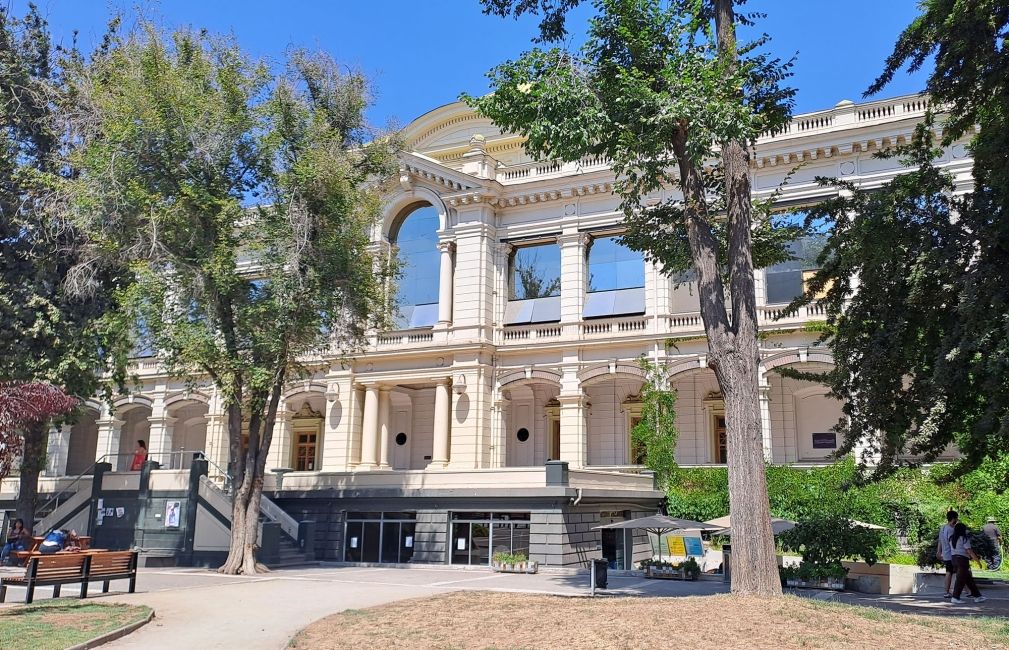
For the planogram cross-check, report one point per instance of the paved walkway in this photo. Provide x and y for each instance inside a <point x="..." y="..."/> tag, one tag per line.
<point x="202" y="609"/>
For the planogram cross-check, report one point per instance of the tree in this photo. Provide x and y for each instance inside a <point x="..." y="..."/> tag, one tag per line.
<point x="921" y="340"/>
<point x="656" y="432"/>
<point x="25" y="405"/>
<point x="180" y="135"/>
<point x="663" y="90"/>
<point x="46" y="333"/>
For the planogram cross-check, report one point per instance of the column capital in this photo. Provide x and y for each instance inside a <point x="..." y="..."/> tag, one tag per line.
<point x="580" y="399"/>
<point x="110" y="421"/>
<point x="446" y="245"/>
<point x="504" y="248"/>
<point x="166" y="420"/>
<point x="574" y="239"/>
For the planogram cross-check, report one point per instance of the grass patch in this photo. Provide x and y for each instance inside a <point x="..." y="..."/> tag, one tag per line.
<point x="58" y="624"/>
<point x="479" y="620"/>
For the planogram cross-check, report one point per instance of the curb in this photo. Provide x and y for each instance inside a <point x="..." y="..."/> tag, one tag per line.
<point x="114" y="634"/>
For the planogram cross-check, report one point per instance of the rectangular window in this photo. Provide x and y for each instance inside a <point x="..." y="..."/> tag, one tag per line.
<point x="786" y="281"/>
<point x="304" y="451"/>
<point x="721" y="441"/>
<point x="536" y="272"/>
<point x="616" y="280"/>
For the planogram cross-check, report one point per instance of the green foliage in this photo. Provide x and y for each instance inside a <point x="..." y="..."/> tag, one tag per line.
<point x="911" y="503"/>
<point x="824" y="541"/>
<point x="656" y="433"/>
<point x="922" y="347"/>
<point x="179" y="132"/>
<point x="502" y="557"/>
<point x="689" y="566"/>
<point x="649" y="74"/>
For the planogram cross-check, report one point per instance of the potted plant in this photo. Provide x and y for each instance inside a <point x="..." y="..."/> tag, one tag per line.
<point x="504" y="562"/>
<point x="691" y="569"/>
<point x="835" y="575"/>
<point x="789" y="576"/>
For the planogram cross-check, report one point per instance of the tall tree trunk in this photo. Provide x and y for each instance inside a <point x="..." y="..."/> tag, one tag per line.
<point x="245" y="510"/>
<point x="33" y="461"/>
<point x="736" y="364"/>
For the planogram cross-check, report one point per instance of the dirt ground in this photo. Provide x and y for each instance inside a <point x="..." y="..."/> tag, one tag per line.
<point x="465" y="620"/>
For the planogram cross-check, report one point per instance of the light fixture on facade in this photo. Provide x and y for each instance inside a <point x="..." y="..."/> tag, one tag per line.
<point x="332" y="392"/>
<point x="459" y="384"/>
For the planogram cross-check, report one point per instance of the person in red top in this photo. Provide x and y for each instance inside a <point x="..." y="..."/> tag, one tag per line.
<point x="139" y="456"/>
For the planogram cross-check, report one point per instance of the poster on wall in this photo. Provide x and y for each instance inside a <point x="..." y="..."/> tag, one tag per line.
<point x="172" y="514"/>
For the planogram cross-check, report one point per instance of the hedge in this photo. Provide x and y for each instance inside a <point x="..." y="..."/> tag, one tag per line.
<point x="912" y="503"/>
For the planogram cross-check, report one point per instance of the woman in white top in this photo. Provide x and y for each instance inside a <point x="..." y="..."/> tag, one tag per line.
<point x="962" y="554"/>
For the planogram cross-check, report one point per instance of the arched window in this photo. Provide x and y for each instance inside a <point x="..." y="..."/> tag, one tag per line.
<point x="616" y="280"/>
<point x="416" y="241"/>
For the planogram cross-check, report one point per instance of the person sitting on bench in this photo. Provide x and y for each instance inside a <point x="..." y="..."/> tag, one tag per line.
<point x="18" y="539"/>
<point x="54" y="542"/>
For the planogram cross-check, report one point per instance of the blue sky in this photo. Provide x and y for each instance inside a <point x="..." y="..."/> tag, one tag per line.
<point x="424" y="53"/>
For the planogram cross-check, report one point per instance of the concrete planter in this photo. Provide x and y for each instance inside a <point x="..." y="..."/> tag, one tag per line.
<point x="522" y="567"/>
<point x="667" y="573"/>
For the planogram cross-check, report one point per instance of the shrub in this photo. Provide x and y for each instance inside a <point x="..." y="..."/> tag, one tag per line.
<point x="509" y="558"/>
<point x="691" y="568"/>
<point x="825" y="541"/>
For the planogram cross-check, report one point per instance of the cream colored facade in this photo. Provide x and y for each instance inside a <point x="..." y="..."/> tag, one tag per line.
<point x="460" y="390"/>
<point x="442" y="435"/>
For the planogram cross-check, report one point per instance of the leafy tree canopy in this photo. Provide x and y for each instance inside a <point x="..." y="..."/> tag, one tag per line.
<point x="917" y="272"/>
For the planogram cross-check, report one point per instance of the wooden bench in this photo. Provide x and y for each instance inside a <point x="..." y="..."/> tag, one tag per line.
<point x="74" y="568"/>
<point x="113" y="565"/>
<point x="55" y="570"/>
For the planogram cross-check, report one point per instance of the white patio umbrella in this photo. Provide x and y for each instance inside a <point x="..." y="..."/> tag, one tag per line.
<point x="724" y="524"/>
<point x="658" y="524"/>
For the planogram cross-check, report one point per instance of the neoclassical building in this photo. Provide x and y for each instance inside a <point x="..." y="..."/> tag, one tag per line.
<point x="497" y="415"/>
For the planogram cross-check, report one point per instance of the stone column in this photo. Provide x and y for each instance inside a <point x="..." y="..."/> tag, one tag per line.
<point x="764" y="390"/>
<point x="384" y="400"/>
<point x="369" y="432"/>
<point x="442" y="423"/>
<point x="574" y="432"/>
<point x="280" y="447"/>
<point x="573" y="280"/>
<point x="58" y="451"/>
<point x="159" y="443"/>
<point x="109" y="430"/>
<point x="499" y="432"/>
<point x="445" y="284"/>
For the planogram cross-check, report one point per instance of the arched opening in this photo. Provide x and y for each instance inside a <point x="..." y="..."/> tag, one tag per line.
<point x="136" y="426"/>
<point x="803" y="416"/>
<point x="415" y="238"/>
<point x="83" y="444"/>
<point x="189" y="433"/>
<point x="700" y="417"/>
<point x="613" y="412"/>
<point x="532" y="424"/>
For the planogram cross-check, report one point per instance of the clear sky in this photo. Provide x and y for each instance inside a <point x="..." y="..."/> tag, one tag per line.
<point x="424" y="53"/>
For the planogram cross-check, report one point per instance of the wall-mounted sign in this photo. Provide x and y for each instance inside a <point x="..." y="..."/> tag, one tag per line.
<point x="460" y="543"/>
<point x="172" y="514"/>
<point x="353" y="542"/>
<point x="408" y="541"/>
<point x="825" y="440"/>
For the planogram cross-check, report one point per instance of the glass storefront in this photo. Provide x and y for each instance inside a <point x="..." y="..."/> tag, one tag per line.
<point x="476" y="536"/>
<point x="386" y="537"/>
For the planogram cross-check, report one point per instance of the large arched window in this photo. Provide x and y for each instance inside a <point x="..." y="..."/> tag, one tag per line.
<point x="416" y="240"/>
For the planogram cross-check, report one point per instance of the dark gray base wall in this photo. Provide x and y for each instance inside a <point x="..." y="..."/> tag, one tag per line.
<point x="560" y="533"/>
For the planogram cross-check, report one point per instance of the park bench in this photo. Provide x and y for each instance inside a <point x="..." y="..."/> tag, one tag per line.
<point x="113" y="565"/>
<point x="55" y="570"/>
<point x="74" y="568"/>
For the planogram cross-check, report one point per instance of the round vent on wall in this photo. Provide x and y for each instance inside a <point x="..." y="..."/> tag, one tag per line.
<point x="523" y="434"/>
<point x="400" y="438"/>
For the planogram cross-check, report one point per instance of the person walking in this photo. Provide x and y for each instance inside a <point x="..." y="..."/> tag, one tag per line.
<point x="945" y="552"/>
<point x="991" y="530"/>
<point x="962" y="554"/>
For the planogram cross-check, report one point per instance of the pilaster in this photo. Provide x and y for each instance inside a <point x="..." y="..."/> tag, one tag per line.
<point x="573" y="279"/>
<point x="58" y="451"/>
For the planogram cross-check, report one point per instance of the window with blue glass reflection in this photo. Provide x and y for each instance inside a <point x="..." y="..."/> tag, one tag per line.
<point x="536" y="272"/>
<point x="785" y="281"/>
<point x="616" y="280"/>
<point x="614" y="266"/>
<point x="416" y="243"/>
